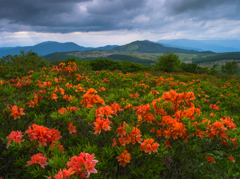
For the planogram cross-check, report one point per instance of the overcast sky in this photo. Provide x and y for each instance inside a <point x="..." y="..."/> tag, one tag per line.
<point x="93" y="23"/>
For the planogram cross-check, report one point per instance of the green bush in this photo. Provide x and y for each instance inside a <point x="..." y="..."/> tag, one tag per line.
<point x="168" y="62"/>
<point x="18" y="66"/>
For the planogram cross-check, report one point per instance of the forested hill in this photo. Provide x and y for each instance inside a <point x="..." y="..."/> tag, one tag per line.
<point x="49" y="47"/>
<point x="149" y="47"/>
<point x="224" y="56"/>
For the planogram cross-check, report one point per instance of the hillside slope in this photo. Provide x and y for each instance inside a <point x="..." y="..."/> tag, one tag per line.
<point x="149" y="47"/>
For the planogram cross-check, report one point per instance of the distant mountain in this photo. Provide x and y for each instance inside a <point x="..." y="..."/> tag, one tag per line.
<point x="6" y="48"/>
<point x="49" y="47"/>
<point x="149" y="47"/>
<point x="218" y="46"/>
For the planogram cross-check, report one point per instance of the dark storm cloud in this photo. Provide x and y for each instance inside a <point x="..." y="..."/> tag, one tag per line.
<point x="67" y="15"/>
<point x="204" y="9"/>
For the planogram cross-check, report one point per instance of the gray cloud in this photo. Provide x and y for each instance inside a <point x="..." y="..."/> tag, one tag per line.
<point x="65" y="16"/>
<point x="68" y="16"/>
<point x="204" y="9"/>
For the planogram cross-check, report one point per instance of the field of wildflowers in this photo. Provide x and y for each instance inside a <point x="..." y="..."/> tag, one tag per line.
<point x="64" y="122"/>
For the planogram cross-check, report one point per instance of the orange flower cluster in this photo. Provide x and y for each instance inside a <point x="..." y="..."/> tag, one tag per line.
<point x="210" y="159"/>
<point x="176" y="98"/>
<point x="189" y="113"/>
<point x="135" y="96"/>
<point x="38" y="159"/>
<point x="80" y="89"/>
<point x="67" y="98"/>
<point x="62" y="111"/>
<point x="90" y="98"/>
<point x="72" y="67"/>
<point x="79" y="77"/>
<point x="228" y="122"/>
<point x="105" y="80"/>
<point x="231" y="158"/>
<point x="108" y="110"/>
<point x="45" y="84"/>
<point x="33" y="102"/>
<point x="63" y="174"/>
<point x="148" y="146"/>
<point x="128" y="106"/>
<point x="54" y="97"/>
<point x="102" y="89"/>
<point x="124" y="158"/>
<point x="175" y="128"/>
<point x="83" y="165"/>
<point x="72" y="128"/>
<point x="60" y="90"/>
<point x="214" y="107"/>
<point x="154" y="93"/>
<point x="125" y="138"/>
<point x="104" y="111"/>
<point x="19" y="85"/>
<point x="215" y="129"/>
<point x="16" y="136"/>
<point x="143" y="111"/>
<point x="16" y="112"/>
<point x="43" y="134"/>
<point x="100" y="124"/>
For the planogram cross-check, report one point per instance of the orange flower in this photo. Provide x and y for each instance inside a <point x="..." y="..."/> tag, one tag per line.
<point x="59" y="175"/>
<point x="16" y="136"/>
<point x="228" y="122"/>
<point x="210" y="159"/>
<point x="121" y="130"/>
<point x="38" y="158"/>
<point x="114" y="143"/>
<point x="168" y="144"/>
<point x="68" y="173"/>
<point x="154" y="92"/>
<point x="231" y="158"/>
<point x="61" y="91"/>
<point x="97" y="128"/>
<point x="122" y="141"/>
<point x="147" y="147"/>
<point x="16" y="112"/>
<point x="155" y="146"/>
<point x="80" y="89"/>
<point x="61" y="111"/>
<point x="32" y="103"/>
<point x="106" y="110"/>
<point x="72" y="128"/>
<point x="54" y="97"/>
<point x="68" y="98"/>
<point x="124" y="158"/>
<point x="128" y="106"/>
<point x="106" y="126"/>
<point x="102" y="89"/>
<point x="218" y="125"/>
<point x="43" y="134"/>
<point x="101" y="123"/>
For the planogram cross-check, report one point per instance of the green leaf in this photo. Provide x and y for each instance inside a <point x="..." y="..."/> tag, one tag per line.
<point x="229" y="171"/>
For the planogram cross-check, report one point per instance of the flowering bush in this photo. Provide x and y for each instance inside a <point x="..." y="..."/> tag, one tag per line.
<point x="67" y="124"/>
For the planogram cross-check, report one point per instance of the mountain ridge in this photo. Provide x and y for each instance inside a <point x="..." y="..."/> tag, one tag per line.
<point x="48" y="47"/>
<point x="149" y="47"/>
<point x="217" y="46"/>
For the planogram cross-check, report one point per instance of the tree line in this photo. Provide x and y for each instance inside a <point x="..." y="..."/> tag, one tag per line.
<point x="17" y="66"/>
